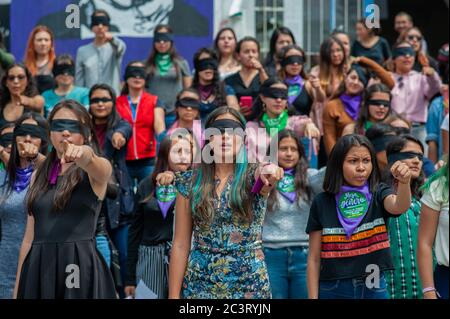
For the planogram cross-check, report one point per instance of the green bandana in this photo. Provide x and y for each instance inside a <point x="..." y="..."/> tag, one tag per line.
<point x="163" y="63"/>
<point x="278" y="124"/>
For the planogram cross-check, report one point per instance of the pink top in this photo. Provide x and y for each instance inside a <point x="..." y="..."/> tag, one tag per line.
<point x="412" y="93"/>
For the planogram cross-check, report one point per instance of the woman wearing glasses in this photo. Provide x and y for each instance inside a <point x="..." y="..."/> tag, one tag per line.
<point x="18" y="94"/>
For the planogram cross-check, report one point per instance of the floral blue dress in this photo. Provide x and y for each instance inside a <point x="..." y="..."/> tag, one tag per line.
<point x="226" y="259"/>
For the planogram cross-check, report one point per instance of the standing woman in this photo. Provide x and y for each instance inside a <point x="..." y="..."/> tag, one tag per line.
<point x="413" y="90"/>
<point x="216" y="207"/>
<point x="113" y="133"/>
<point x="404" y="282"/>
<point x="40" y="56"/>
<point x="434" y="236"/>
<point x="225" y="47"/>
<point x="415" y="38"/>
<point x="281" y="38"/>
<point x="284" y="238"/>
<point x="207" y="82"/>
<point x="139" y="108"/>
<point x="188" y="110"/>
<point x="370" y="44"/>
<point x="167" y="72"/>
<point x="347" y="223"/>
<point x="345" y="39"/>
<point x="63" y="204"/>
<point x="246" y="83"/>
<point x="18" y="94"/>
<point x="151" y="232"/>
<point x="376" y="108"/>
<point x="28" y="151"/>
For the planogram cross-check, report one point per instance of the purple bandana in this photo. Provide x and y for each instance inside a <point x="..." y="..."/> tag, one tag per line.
<point x="286" y="186"/>
<point x="54" y="171"/>
<point x="351" y="105"/>
<point x="294" y="84"/>
<point x="352" y="205"/>
<point x="205" y="91"/>
<point x="23" y="178"/>
<point x="165" y="195"/>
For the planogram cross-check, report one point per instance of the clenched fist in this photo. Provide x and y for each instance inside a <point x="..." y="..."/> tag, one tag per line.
<point x="73" y="153"/>
<point x="401" y="172"/>
<point x="27" y="150"/>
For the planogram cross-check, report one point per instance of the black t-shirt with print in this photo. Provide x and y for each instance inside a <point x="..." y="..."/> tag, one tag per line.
<point x="343" y="258"/>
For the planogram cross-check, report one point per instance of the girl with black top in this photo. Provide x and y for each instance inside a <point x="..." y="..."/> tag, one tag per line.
<point x="347" y="223"/>
<point x="301" y="92"/>
<point x="246" y="83"/>
<point x="370" y="44"/>
<point x="58" y="253"/>
<point x="207" y="82"/>
<point x="281" y="37"/>
<point x="18" y="94"/>
<point x="151" y="232"/>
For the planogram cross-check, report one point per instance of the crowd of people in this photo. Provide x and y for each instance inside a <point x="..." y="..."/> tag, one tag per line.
<point x="162" y="176"/>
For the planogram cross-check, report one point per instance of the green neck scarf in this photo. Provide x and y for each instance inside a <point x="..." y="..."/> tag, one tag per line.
<point x="163" y="63"/>
<point x="277" y="124"/>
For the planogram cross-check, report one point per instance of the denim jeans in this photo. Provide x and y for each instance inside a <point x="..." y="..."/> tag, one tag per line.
<point x="287" y="272"/>
<point x="352" y="289"/>
<point x="441" y="280"/>
<point x="313" y="159"/>
<point x="140" y="169"/>
<point x="104" y="249"/>
<point x="119" y="237"/>
<point x="420" y="132"/>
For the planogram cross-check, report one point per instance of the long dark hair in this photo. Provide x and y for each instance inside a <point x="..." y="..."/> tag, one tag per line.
<point x="216" y="41"/>
<point x="282" y="73"/>
<point x="30" y="90"/>
<point x="125" y="89"/>
<point x="325" y="61"/>
<point x="219" y="87"/>
<point x="364" y="114"/>
<point x="396" y="146"/>
<point x="334" y="175"/>
<point x="174" y="56"/>
<point x="113" y="118"/>
<point x="273" y="42"/>
<point x="302" y="187"/>
<point x="14" y="159"/>
<point x="74" y="174"/>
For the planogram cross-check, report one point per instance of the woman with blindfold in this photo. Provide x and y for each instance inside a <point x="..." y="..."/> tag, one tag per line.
<point x="217" y="207"/>
<point x="281" y="38"/>
<point x="40" y="57"/>
<point x="167" y="72"/>
<point x="376" y="108"/>
<point x="144" y="113"/>
<point x="271" y="113"/>
<point x="64" y="73"/>
<point x="28" y="150"/>
<point x="18" y="94"/>
<point x="207" y="82"/>
<point x="433" y="238"/>
<point x="188" y="110"/>
<point x="404" y="282"/>
<point x="6" y="140"/>
<point x="59" y="252"/>
<point x="413" y="90"/>
<point x="344" y="109"/>
<point x="101" y="60"/>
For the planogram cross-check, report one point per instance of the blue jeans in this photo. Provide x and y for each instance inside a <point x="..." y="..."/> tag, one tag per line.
<point x="140" y="169"/>
<point x="287" y="272"/>
<point x="441" y="280"/>
<point x="119" y="237"/>
<point x="104" y="249"/>
<point x="352" y="289"/>
<point x="313" y="159"/>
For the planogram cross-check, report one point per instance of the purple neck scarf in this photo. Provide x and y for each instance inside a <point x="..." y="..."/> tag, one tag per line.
<point x="54" y="171"/>
<point x="165" y="196"/>
<point x="352" y="205"/>
<point x="291" y="82"/>
<point x="286" y="186"/>
<point x="351" y="105"/>
<point x="23" y="178"/>
<point x="205" y="91"/>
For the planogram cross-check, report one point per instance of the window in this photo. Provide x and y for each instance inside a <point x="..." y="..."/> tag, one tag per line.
<point x="269" y="16"/>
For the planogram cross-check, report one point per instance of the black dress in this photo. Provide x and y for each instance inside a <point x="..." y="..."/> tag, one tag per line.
<point x="63" y="241"/>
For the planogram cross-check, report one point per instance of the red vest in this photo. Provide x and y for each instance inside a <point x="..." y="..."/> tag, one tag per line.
<point x="142" y="143"/>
